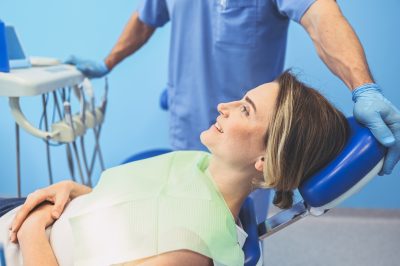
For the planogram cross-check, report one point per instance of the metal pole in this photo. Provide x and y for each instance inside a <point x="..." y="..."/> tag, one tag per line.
<point x="18" y="160"/>
<point x="46" y="126"/>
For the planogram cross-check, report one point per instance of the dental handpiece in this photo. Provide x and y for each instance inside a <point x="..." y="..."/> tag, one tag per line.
<point x="68" y="120"/>
<point x="68" y="148"/>
<point x="67" y="114"/>
<point x="104" y="98"/>
<point x="82" y="104"/>
<point x="92" y="108"/>
<point x="81" y="96"/>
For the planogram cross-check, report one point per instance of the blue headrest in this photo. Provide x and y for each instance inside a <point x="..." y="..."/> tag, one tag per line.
<point x="360" y="155"/>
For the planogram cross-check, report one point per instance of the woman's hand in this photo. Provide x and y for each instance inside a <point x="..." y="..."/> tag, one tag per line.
<point x="58" y="194"/>
<point x="36" y="223"/>
<point x="33" y="241"/>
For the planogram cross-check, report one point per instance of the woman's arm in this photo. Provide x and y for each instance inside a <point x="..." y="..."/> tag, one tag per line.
<point x="59" y="194"/>
<point x="34" y="244"/>
<point x="173" y="258"/>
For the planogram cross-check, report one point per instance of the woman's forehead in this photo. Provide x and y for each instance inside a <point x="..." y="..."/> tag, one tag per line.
<point x="264" y="96"/>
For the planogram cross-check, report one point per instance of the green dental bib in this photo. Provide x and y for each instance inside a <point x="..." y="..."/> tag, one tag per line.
<point x="154" y="206"/>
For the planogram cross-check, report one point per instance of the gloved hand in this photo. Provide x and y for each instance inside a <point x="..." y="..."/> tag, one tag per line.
<point x="90" y="68"/>
<point x="376" y="112"/>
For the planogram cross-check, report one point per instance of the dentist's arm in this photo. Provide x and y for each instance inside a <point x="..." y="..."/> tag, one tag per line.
<point x="339" y="47"/>
<point x="135" y="34"/>
<point x="336" y="42"/>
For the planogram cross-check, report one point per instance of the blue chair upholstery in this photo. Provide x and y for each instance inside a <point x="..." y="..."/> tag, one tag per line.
<point x="145" y="154"/>
<point x="2" y="257"/>
<point x="251" y="247"/>
<point x="164" y="100"/>
<point x="361" y="153"/>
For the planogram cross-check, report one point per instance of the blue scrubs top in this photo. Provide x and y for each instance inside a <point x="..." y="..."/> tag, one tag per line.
<point x="219" y="50"/>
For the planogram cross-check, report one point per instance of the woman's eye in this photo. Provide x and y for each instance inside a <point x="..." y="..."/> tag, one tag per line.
<point x="244" y="109"/>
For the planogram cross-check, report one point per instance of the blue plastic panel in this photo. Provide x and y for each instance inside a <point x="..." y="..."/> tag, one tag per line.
<point x="251" y="247"/>
<point x="16" y="54"/>
<point x="2" y="257"/>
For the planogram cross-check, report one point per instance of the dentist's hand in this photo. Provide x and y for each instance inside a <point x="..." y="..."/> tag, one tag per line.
<point x="376" y="112"/>
<point x="90" y="68"/>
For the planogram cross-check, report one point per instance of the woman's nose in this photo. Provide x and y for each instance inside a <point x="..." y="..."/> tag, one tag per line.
<point x="223" y="109"/>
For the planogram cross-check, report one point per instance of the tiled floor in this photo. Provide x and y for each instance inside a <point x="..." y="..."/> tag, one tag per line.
<point x="342" y="237"/>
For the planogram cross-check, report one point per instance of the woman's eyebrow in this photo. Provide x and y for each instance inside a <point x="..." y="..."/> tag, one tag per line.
<point x="251" y="103"/>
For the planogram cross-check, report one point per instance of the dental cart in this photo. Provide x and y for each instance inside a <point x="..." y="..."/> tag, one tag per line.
<point x="48" y="78"/>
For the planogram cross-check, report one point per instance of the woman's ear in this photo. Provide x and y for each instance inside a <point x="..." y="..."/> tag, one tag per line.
<point x="259" y="165"/>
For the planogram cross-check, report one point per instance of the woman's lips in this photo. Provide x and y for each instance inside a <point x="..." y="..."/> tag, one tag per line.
<point x="218" y="127"/>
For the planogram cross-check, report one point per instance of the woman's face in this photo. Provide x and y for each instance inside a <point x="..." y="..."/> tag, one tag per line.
<point x="239" y="131"/>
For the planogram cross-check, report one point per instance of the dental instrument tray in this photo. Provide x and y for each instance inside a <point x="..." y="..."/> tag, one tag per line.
<point x="38" y="80"/>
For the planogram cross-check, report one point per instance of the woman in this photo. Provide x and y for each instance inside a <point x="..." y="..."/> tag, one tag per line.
<point x="279" y="134"/>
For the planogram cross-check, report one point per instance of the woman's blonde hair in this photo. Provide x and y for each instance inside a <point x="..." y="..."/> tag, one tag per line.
<point x="305" y="133"/>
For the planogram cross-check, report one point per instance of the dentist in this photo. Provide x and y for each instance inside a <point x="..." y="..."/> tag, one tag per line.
<point x="220" y="49"/>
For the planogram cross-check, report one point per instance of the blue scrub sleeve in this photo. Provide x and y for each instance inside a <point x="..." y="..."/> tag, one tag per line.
<point x="293" y="9"/>
<point x="153" y="12"/>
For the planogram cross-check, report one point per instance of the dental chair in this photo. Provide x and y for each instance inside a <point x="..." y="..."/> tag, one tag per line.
<point x="353" y="168"/>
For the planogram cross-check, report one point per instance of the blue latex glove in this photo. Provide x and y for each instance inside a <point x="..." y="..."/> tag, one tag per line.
<point x="90" y="68"/>
<point x="376" y="112"/>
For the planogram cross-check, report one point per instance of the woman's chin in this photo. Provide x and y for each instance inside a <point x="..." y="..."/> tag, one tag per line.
<point x="204" y="138"/>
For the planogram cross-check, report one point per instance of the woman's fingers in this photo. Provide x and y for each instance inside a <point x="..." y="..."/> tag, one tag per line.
<point x="32" y="201"/>
<point x="59" y="204"/>
<point x="48" y="214"/>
